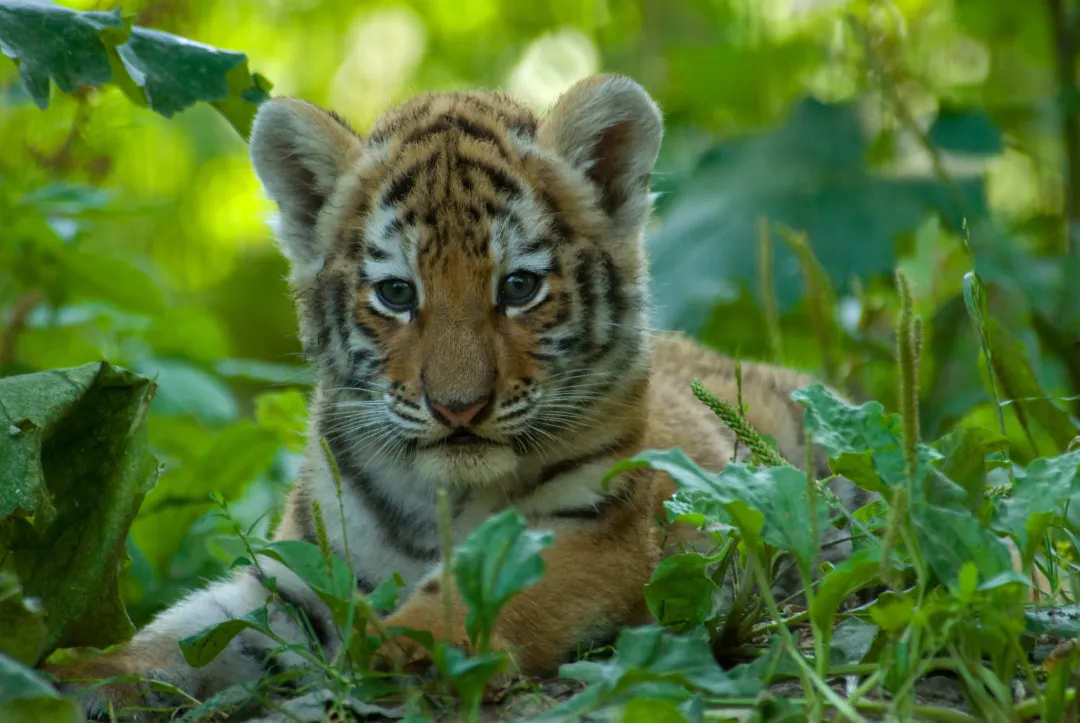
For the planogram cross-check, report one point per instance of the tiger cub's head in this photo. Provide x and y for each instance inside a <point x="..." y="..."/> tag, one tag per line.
<point x="470" y="279"/>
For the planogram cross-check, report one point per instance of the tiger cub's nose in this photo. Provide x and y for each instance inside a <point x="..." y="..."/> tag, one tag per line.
<point x="460" y="414"/>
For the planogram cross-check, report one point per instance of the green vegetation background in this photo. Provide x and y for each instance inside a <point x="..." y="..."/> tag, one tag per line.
<point x="924" y="134"/>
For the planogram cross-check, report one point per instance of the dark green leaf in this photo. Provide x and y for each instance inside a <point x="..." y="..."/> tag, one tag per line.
<point x="469" y="673"/>
<point x="205" y="645"/>
<point x="52" y="42"/>
<point x="385" y="596"/>
<point x="964" y="452"/>
<point x="1061" y="622"/>
<point x="334" y="584"/>
<point x="680" y="593"/>
<point x="966" y="131"/>
<point x="499" y="559"/>
<point x="76" y="437"/>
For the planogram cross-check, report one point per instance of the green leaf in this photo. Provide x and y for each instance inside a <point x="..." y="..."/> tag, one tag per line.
<point x="333" y="583"/>
<point x="22" y="622"/>
<point x="234" y="457"/>
<point x="54" y="43"/>
<point x="385" y="596"/>
<point x="851" y="641"/>
<point x="964" y="452"/>
<point x="469" y="673"/>
<point x="156" y="69"/>
<point x="851" y="575"/>
<point x="76" y="467"/>
<point x="1036" y="499"/>
<point x="892" y="612"/>
<point x="950" y="538"/>
<point x="645" y="710"/>
<point x="863" y="443"/>
<point x="1061" y="622"/>
<point x="694" y="509"/>
<point x="771" y="502"/>
<point x="26" y="698"/>
<point x="652" y="654"/>
<point x="704" y="248"/>
<point x="262" y="371"/>
<point x="499" y="559"/>
<point x="1021" y="387"/>
<point x="680" y="593"/>
<point x="205" y="645"/>
<point x="966" y="131"/>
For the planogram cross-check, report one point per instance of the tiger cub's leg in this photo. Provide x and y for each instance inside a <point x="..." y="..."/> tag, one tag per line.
<point x="295" y="615"/>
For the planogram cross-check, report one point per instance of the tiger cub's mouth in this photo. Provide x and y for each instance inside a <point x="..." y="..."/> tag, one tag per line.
<point x="462" y="438"/>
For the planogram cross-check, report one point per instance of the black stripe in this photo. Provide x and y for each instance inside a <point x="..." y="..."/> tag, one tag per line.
<point x="499" y="179"/>
<point x="399" y="188"/>
<point x="334" y="300"/>
<point x="394" y="524"/>
<point x="558" y="469"/>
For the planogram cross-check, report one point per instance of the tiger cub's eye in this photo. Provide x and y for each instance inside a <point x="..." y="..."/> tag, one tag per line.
<point x="398" y="294"/>
<point x="519" y="288"/>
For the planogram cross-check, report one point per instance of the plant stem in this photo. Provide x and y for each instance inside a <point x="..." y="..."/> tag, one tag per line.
<point x="768" y="291"/>
<point x="446" y="534"/>
<point x="1065" y="30"/>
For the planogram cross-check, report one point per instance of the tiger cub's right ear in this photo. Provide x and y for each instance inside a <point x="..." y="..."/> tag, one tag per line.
<point x="300" y="152"/>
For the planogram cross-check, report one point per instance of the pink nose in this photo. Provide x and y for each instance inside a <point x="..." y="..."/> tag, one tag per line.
<point x="459" y="415"/>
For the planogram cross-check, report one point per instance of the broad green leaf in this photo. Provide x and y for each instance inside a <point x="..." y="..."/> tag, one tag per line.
<point x="971" y="132"/>
<point x="851" y="575"/>
<point x="1036" y="499"/>
<point x="234" y="457"/>
<point x="76" y="467"/>
<point x="156" y="69"/>
<point x="694" y="509"/>
<point x="22" y="622"/>
<point x="54" y="43"/>
<point x="385" y="596"/>
<point x="205" y="645"/>
<point x="964" y="452"/>
<point x="26" y="698"/>
<point x="851" y="641"/>
<point x="263" y="371"/>
<point x="653" y="655"/>
<point x="771" y="502"/>
<point x="645" y="710"/>
<point x="680" y="593"/>
<point x="951" y="538"/>
<point x="704" y="247"/>
<point x="499" y="559"/>
<point x="892" y="612"/>
<point x="863" y="443"/>
<point x="1020" y="386"/>
<point x="333" y="583"/>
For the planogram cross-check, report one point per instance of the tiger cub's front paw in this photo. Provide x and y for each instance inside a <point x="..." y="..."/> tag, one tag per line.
<point x="126" y="700"/>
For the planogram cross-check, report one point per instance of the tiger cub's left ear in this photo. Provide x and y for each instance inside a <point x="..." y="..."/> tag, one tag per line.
<point x="609" y="128"/>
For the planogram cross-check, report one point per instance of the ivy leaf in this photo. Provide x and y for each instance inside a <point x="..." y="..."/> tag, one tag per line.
<point x="205" y="645"/>
<point x="50" y="42"/>
<point x="76" y="467"/>
<point x="26" y="698"/>
<point x="680" y="593"/>
<point x="499" y="559"/>
<point x="1036" y="499"/>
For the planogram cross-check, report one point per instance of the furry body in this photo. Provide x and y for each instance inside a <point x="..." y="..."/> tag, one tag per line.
<point x="471" y="289"/>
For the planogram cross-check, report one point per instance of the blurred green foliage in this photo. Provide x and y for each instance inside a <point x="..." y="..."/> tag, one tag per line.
<point x="924" y="134"/>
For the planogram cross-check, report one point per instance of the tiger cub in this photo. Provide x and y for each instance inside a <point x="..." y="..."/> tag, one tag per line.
<point x="471" y="285"/>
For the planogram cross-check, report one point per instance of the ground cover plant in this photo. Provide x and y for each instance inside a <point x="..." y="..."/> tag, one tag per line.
<point x="886" y="193"/>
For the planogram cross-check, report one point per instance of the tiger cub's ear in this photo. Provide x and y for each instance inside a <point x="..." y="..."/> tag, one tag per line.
<point x="609" y="128"/>
<point x="300" y="152"/>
